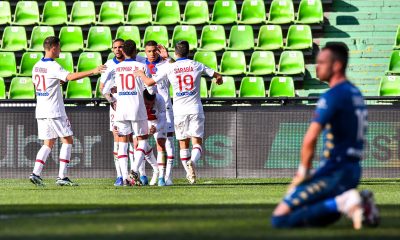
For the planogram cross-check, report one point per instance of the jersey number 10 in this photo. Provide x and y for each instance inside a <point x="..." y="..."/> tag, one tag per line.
<point x="127" y="81"/>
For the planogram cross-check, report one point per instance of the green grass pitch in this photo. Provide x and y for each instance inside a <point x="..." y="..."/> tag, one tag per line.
<point x="212" y="209"/>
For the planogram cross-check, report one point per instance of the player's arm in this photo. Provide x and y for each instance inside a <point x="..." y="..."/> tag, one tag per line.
<point x="211" y="73"/>
<point x="148" y="81"/>
<point x="80" y="75"/>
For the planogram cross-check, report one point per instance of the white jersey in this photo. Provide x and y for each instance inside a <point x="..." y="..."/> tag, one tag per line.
<point x="130" y="102"/>
<point x="156" y="115"/>
<point x="46" y="76"/>
<point x="185" y="77"/>
<point x="162" y="87"/>
<point x="111" y="63"/>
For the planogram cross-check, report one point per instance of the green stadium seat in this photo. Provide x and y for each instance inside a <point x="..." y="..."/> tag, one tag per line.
<point x="83" y="13"/>
<point x="97" y="93"/>
<point x="139" y="13"/>
<point x="224" y="12"/>
<point x="394" y="65"/>
<point x="8" y="65"/>
<point x="111" y="13"/>
<point x="54" y="13"/>
<point x="281" y="12"/>
<point x="187" y="33"/>
<point x="81" y="88"/>
<point x="88" y="61"/>
<point x="99" y="39"/>
<point x="262" y="63"/>
<point x="112" y="55"/>
<point x="167" y="13"/>
<point x="26" y="13"/>
<point x="14" y="39"/>
<point x="203" y="88"/>
<point x="233" y="63"/>
<point x="2" y="89"/>
<point x="156" y="33"/>
<point x="129" y="32"/>
<point x="207" y="58"/>
<point x="270" y="38"/>
<point x="291" y="63"/>
<point x="29" y="59"/>
<point x="397" y="42"/>
<point x="310" y="12"/>
<point x="196" y="12"/>
<point x="71" y="39"/>
<point x="241" y="37"/>
<point x="227" y="89"/>
<point x="39" y="34"/>
<point x="22" y="88"/>
<point x="252" y="87"/>
<point x="281" y="87"/>
<point x="253" y="12"/>
<point x="5" y="13"/>
<point x="299" y="37"/>
<point x="66" y="61"/>
<point x="212" y="38"/>
<point x="389" y="86"/>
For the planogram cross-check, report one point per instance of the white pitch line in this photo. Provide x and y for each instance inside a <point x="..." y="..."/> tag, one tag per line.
<point x="45" y="215"/>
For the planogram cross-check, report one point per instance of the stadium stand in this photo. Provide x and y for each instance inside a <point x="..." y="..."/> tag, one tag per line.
<point x="252" y="87"/>
<point x="79" y="89"/>
<point x="2" y="89"/>
<point x="29" y="59"/>
<point x="22" y="88"/>
<point x="227" y="89"/>
<point x="390" y="86"/>
<point x="8" y="66"/>
<point x="367" y="27"/>
<point x="281" y="87"/>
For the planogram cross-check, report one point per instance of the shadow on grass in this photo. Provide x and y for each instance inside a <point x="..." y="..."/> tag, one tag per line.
<point x="162" y="221"/>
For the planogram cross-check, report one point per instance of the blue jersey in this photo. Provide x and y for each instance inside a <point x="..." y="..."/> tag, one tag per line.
<point x="343" y="115"/>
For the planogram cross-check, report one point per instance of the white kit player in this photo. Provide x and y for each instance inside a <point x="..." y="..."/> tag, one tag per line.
<point x="111" y="63"/>
<point x="156" y="58"/>
<point x="130" y="111"/>
<point x="47" y="76"/>
<point x="155" y="107"/>
<point x="185" y="77"/>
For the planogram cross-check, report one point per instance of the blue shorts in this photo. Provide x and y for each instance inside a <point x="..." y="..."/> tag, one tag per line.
<point x="324" y="186"/>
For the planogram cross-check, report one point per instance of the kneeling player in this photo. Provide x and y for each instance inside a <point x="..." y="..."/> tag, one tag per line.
<point x="320" y="198"/>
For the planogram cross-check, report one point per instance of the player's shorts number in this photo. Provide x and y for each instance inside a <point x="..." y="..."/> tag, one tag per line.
<point x="127" y="81"/>
<point x="186" y="80"/>
<point x="40" y="79"/>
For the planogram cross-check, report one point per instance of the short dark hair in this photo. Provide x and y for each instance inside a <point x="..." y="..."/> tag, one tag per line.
<point x="339" y="51"/>
<point x="151" y="43"/>
<point x="50" y="42"/>
<point x="182" y="48"/>
<point x="118" y="40"/>
<point x="129" y="48"/>
<point x="148" y="96"/>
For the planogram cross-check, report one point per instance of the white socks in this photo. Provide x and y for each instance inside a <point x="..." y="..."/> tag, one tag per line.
<point x="115" y="153"/>
<point x="123" y="159"/>
<point x="347" y="200"/>
<point x="140" y="152"/>
<point x="170" y="148"/>
<point x="65" y="157"/>
<point x="196" y="153"/>
<point x="161" y="163"/>
<point x="185" y="156"/>
<point x="41" y="158"/>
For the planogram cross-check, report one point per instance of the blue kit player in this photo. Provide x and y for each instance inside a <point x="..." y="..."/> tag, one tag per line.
<point x="318" y="198"/>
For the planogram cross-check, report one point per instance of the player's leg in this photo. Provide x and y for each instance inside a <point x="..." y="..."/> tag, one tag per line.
<point x="119" y="180"/>
<point x="131" y="150"/>
<point x="196" y="131"/>
<point x="141" y="130"/>
<point x="185" y="157"/>
<point x="124" y="130"/>
<point x="161" y="157"/>
<point x="151" y="159"/>
<point x="181" y="124"/>
<point x="65" y="158"/>
<point x="169" y="147"/>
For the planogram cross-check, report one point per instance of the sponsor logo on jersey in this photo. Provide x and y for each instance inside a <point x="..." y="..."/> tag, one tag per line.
<point x="126" y="93"/>
<point x="42" y="94"/>
<point x="187" y="93"/>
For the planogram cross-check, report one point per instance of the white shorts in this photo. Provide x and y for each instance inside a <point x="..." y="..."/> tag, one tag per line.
<point x="112" y="122"/>
<point x="169" y="124"/>
<point x="187" y="126"/>
<point x="137" y="128"/>
<point x="159" y="134"/>
<point x="50" y="128"/>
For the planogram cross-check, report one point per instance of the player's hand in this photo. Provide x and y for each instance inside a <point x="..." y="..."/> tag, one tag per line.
<point x="153" y="129"/>
<point x="115" y="130"/>
<point x="114" y="105"/>
<point x="218" y="79"/>
<point x="302" y="175"/>
<point x="162" y="51"/>
<point x="99" y="69"/>
<point x="113" y="90"/>
<point x="62" y="83"/>
<point x="139" y="73"/>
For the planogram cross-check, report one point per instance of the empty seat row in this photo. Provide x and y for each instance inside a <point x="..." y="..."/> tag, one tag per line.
<point x="389" y="86"/>
<point x="213" y="37"/>
<point x="167" y="13"/>
<point x="23" y="88"/>
<point x="394" y="65"/>
<point x="232" y="63"/>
